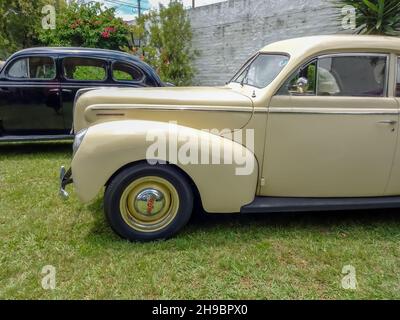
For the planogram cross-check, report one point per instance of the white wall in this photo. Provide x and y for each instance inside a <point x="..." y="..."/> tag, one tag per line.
<point x="228" y="33"/>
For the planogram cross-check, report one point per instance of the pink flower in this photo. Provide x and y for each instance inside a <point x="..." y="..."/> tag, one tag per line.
<point x="105" y="35"/>
<point x="110" y="29"/>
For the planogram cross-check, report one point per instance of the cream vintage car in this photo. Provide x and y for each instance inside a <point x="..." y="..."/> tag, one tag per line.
<point x="306" y="124"/>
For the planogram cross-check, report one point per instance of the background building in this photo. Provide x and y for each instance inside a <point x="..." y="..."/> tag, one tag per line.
<point x="228" y="33"/>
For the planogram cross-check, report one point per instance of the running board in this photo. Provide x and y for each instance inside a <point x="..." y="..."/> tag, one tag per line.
<point x="275" y="204"/>
<point x="36" y="138"/>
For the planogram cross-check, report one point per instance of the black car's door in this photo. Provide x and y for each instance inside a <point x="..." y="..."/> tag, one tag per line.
<point x="30" y="102"/>
<point x="80" y="73"/>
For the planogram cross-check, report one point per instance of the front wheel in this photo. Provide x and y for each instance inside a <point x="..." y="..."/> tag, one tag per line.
<point x="146" y="202"/>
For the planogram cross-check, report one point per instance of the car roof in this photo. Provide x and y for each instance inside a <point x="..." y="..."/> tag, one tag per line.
<point x="89" y="52"/>
<point x="81" y="51"/>
<point x="307" y="46"/>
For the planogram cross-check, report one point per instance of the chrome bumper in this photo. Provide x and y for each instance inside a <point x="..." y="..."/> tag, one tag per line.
<point x="65" y="179"/>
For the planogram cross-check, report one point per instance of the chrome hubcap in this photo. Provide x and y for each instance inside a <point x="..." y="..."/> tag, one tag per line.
<point x="149" y="202"/>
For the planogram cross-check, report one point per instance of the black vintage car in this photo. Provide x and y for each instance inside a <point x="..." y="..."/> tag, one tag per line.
<point x="38" y="87"/>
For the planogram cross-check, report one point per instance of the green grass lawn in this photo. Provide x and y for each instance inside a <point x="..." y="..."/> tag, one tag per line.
<point x="280" y="256"/>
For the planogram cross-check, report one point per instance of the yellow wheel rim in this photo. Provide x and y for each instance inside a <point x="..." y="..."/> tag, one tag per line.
<point x="149" y="204"/>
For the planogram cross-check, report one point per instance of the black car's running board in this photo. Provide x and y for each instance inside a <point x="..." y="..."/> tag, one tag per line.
<point x="275" y="204"/>
<point x="35" y="138"/>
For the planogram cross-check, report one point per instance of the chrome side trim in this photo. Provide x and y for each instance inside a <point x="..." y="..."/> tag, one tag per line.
<point x="110" y="114"/>
<point x="79" y="93"/>
<point x="336" y="111"/>
<point x="122" y="107"/>
<point x="261" y="110"/>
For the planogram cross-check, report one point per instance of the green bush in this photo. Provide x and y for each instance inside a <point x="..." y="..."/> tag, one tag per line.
<point x="87" y="25"/>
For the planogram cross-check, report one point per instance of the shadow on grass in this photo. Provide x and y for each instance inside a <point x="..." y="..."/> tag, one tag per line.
<point x="21" y="148"/>
<point x="243" y="226"/>
<point x="317" y="219"/>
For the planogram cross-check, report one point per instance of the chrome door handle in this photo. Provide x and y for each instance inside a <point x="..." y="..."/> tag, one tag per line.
<point x="55" y="91"/>
<point x="389" y="122"/>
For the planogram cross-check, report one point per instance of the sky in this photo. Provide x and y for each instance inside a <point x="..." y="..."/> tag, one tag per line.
<point x="125" y="7"/>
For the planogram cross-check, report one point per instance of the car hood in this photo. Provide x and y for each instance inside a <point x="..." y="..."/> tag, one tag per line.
<point x="198" y="107"/>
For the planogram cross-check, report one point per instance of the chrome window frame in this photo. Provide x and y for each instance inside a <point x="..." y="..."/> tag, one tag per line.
<point x="142" y="79"/>
<point x="65" y="78"/>
<point x="367" y="54"/>
<point x="397" y="76"/>
<point x="302" y="66"/>
<point x="12" y="62"/>
<point x="341" y="54"/>
<point x="252" y="59"/>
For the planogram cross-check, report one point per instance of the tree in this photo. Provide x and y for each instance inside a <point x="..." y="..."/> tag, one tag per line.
<point x="381" y="17"/>
<point x="87" y="25"/>
<point x="166" y="37"/>
<point x="20" y="21"/>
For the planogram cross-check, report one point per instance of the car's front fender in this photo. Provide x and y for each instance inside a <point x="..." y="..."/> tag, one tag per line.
<point x="107" y="147"/>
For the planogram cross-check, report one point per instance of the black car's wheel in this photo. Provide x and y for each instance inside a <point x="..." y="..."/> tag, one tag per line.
<point x="146" y="202"/>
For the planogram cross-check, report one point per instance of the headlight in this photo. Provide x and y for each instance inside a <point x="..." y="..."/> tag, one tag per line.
<point x="78" y="140"/>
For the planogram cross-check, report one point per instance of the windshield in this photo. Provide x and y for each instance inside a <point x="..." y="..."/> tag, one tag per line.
<point x="261" y="71"/>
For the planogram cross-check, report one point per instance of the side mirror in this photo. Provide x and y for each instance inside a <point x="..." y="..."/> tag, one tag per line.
<point x="302" y="85"/>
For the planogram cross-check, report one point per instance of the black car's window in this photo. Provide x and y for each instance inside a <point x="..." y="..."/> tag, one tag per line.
<point x="85" y="69"/>
<point x="33" y="68"/>
<point x="125" y="72"/>
<point x="302" y="82"/>
<point x="398" y="78"/>
<point x="352" y="76"/>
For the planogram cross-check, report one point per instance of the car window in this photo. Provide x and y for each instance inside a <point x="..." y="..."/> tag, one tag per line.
<point x="125" y="72"/>
<point x="33" y="68"/>
<point x="261" y="71"/>
<point x="302" y="82"/>
<point x="352" y="76"/>
<point x="85" y="69"/>
<point x="398" y="78"/>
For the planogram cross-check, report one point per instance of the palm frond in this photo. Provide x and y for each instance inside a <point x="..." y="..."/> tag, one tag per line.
<point x="375" y="16"/>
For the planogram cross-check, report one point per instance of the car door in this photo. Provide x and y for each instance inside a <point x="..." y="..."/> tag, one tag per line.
<point x="79" y="73"/>
<point x="29" y="97"/>
<point x="393" y="188"/>
<point x="332" y="129"/>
